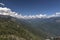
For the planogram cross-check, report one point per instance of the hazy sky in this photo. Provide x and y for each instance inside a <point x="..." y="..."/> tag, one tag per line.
<point x="33" y="7"/>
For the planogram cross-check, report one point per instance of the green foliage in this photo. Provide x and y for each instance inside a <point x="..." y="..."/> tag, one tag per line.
<point x="11" y="30"/>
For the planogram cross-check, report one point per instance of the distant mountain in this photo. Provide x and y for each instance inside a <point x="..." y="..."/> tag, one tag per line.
<point x="44" y="27"/>
<point x="11" y="29"/>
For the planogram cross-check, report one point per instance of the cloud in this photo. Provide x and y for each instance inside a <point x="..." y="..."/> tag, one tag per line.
<point x="8" y="11"/>
<point x="2" y="4"/>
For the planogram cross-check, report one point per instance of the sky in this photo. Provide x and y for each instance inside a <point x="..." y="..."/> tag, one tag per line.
<point x="32" y="7"/>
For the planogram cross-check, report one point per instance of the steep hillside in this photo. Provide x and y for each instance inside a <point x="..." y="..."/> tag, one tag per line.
<point x="28" y="29"/>
<point x="11" y="30"/>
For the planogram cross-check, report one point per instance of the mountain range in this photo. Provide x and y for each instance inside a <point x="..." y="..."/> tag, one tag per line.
<point x="28" y="29"/>
<point x="44" y="27"/>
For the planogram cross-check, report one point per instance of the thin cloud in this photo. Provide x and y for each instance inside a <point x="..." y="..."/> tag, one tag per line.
<point x="2" y="4"/>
